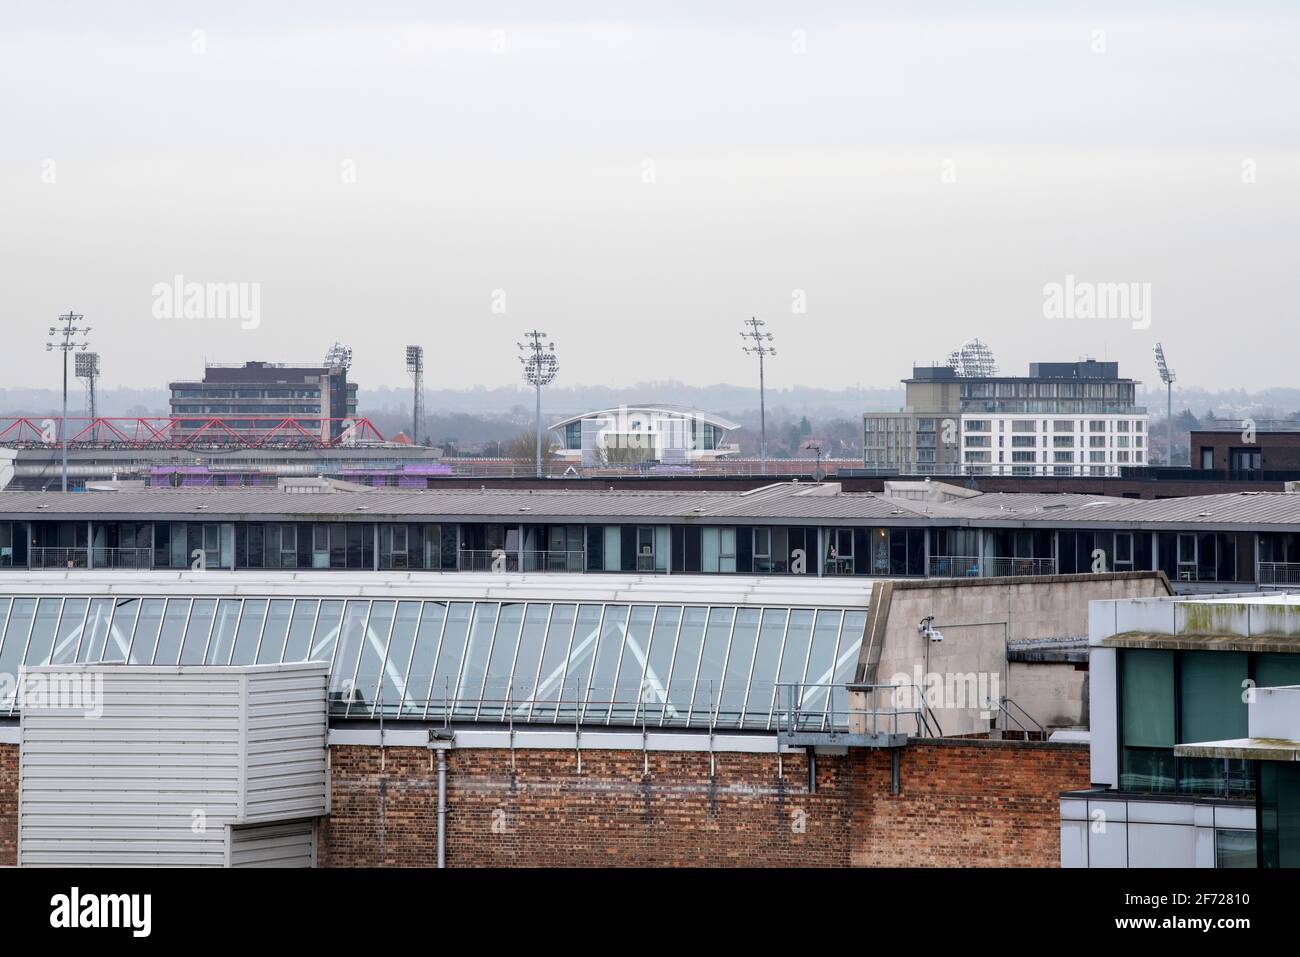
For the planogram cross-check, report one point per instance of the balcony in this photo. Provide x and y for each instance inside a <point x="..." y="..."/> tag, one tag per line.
<point x="488" y="560"/>
<point x="555" y="561"/>
<point x="1278" y="574"/>
<point x="68" y="557"/>
<point x="969" y="566"/>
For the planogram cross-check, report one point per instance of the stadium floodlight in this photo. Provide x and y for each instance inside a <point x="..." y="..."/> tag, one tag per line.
<point x="339" y="356"/>
<point x="760" y="348"/>
<point x="1167" y="376"/>
<point x="540" y="367"/>
<point x="86" y="367"/>
<point x="66" y="333"/>
<point x="415" y="367"/>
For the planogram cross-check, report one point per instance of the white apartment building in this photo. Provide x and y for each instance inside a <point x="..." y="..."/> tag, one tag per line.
<point x="1095" y="444"/>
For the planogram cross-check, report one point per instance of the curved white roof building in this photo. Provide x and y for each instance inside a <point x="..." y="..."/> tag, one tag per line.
<point x="645" y="433"/>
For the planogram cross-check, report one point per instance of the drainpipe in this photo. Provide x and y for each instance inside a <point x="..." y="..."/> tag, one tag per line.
<point x="442" y="740"/>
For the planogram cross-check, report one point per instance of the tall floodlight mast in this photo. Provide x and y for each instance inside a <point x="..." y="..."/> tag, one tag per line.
<point x="540" y="366"/>
<point x="87" y="367"/>
<point x="1167" y="376"/>
<point x="761" y="349"/>
<point x="63" y="342"/>
<point x="415" y="366"/>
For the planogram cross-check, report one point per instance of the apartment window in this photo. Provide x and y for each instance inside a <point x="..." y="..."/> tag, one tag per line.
<point x="1097" y="425"/>
<point x="1097" y="457"/>
<point x="1207" y="458"/>
<point x="977" y="425"/>
<point x="1123" y="425"/>
<point x="1022" y="425"/>
<point x="1096" y="441"/>
<point x="1023" y="441"/>
<point x="1121" y="457"/>
<point x="978" y="457"/>
<point x="762" y="550"/>
<point x="1063" y="441"/>
<point x="979" y="441"/>
<point x="1022" y="456"/>
<point x="1121" y="441"/>
<point x="1063" y="425"/>
<point x="1146" y="680"/>
<point x="1062" y="456"/>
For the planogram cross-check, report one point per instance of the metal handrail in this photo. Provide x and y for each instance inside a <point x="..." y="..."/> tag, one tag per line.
<point x="793" y="714"/>
<point x="1002" y="706"/>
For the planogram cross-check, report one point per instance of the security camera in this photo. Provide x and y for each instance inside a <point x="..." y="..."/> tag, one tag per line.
<point x="927" y="629"/>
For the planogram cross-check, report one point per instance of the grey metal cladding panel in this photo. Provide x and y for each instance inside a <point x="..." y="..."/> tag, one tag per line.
<point x="272" y="845"/>
<point x="285" y="744"/>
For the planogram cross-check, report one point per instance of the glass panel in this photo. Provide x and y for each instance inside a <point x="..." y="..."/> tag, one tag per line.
<point x="223" y="632"/>
<point x="196" y="631"/>
<point x="347" y="650"/>
<point x="631" y="667"/>
<point x="278" y="616"/>
<point x="762" y="683"/>
<point x="1234" y="848"/>
<point x="250" y="627"/>
<point x="821" y="659"/>
<point x="846" y="659"/>
<point x="739" y="660"/>
<point x="452" y="649"/>
<point x="120" y="628"/>
<point x="1146" y="719"/>
<point x="708" y="684"/>
<point x="96" y="630"/>
<point x="326" y="632"/>
<point x="497" y="689"/>
<point x="690" y="639"/>
<point x="15" y="642"/>
<point x="42" y="640"/>
<point x="374" y="646"/>
<point x="418" y="675"/>
<point x="581" y="652"/>
<point x="600" y="691"/>
<point x="146" y="630"/>
<point x="794" y="656"/>
<point x="70" y="625"/>
<point x="550" y="675"/>
<point x="654" y="692"/>
<point x="1274" y="669"/>
<point x="298" y="643"/>
<point x="170" y="636"/>
<point x="531" y="642"/>
<point x="474" y="668"/>
<point x="1279" y="814"/>
<point x="1211" y="686"/>
<point x="398" y="658"/>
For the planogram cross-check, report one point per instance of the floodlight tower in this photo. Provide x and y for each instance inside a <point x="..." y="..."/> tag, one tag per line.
<point x="761" y="349"/>
<point x="66" y="333"/>
<point x="87" y="367"/>
<point x="540" y="366"/>
<point x="1167" y="376"/>
<point x="415" y="367"/>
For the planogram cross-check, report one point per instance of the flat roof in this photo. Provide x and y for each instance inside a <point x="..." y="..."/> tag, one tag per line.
<point x="837" y="591"/>
<point x="785" y="502"/>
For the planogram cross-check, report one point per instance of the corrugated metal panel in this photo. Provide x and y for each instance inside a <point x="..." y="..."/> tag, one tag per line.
<point x="151" y="765"/>
<point x="273" y="845"/>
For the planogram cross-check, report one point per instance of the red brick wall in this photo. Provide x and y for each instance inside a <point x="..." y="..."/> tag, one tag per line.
<point x="962" y="804"/>
<point x="8" y="805"/>
<point x="545" y="814"/>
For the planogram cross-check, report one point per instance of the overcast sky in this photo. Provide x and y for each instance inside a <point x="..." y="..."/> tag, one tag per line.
<point x="876" y="181"/>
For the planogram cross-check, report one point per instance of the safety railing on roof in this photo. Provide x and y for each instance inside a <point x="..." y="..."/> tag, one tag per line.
<point x="857" y="709"/>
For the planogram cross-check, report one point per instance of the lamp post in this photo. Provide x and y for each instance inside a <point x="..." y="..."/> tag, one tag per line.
<point x="66" y="345"/>
<point x="540" y="366"/>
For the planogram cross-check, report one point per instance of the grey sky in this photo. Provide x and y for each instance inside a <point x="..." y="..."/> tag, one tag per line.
<point x="919" y="171"/>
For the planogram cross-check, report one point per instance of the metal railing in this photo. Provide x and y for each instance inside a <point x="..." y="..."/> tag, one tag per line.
<point x="555" y="561"/>
<point x="122" y="557"/>
<point x="1008" y="709"/>
<point x="866" y="709"/>
<point x="488" y="560"/>
<point x="1000" y="567"/>
<point x="40" y="556"/>
<point x="1279" y="573"/>
<point x="954" y="566"/>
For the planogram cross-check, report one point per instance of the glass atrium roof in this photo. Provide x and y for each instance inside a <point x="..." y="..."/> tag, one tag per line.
<point x="641" y="660"/>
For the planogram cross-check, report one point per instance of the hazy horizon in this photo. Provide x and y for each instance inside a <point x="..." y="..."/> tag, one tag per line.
<point x="877" y="184"/>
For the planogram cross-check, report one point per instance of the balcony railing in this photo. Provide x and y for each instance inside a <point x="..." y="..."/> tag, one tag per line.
<point x="1279" y="573"/>
<point x="45" y="557"/>
<point x="122" y="557"/>
<point x="488" y="560"/>
<point x="999" y="567"/>
<point x="954" y="566"/>
<point x="555" y="561"/>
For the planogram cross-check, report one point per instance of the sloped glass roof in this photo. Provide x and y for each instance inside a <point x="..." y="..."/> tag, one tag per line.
<point x="657" y="663"/>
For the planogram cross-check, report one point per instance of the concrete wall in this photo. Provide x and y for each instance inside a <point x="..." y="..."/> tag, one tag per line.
<point x="969" y="613"/>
